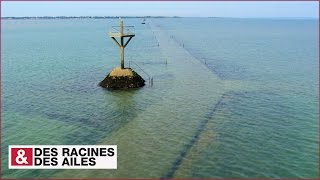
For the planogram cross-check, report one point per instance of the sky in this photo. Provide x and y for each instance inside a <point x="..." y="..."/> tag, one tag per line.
<point x="247" y="9"/>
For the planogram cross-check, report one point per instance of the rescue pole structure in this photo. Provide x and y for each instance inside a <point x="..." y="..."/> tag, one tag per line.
<point x="121" y="77"/>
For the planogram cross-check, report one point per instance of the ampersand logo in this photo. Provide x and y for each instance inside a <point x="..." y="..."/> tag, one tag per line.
<point x="21" y="157"/>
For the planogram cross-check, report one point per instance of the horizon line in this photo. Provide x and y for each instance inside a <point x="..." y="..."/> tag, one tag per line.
<point x="160" y="16"/>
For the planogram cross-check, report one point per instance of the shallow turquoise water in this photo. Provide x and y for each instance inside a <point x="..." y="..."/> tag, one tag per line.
<point x="237" y="97"/>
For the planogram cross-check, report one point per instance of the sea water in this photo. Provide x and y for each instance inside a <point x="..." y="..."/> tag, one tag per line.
<point x="230" y="97"/>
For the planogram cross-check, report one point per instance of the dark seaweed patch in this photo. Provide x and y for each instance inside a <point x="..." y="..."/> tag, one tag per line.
<point x="193" y="140"/>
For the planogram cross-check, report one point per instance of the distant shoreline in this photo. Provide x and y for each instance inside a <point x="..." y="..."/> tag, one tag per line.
<point x="87" y="17"/>
<point x="116" y="17"/>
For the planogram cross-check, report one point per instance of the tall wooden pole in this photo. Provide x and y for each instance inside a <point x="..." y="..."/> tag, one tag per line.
<point x="121" y="42"/>
<point x="122" y="46"/>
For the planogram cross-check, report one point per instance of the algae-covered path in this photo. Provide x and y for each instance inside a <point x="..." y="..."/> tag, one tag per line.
<point x="166" y="137"/>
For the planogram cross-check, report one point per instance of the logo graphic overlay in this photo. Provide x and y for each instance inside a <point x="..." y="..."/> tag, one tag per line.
<point x="62" y="157"/>
<point x="21" y="157"/>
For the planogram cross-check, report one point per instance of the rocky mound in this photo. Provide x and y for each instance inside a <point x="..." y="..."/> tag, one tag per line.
<point x="122" y="79"/>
